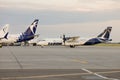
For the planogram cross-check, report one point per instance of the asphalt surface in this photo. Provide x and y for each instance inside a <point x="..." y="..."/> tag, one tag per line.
<point x="59" y="63"/>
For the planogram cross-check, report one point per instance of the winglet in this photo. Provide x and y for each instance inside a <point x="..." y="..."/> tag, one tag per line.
<point x="6" y="35"/>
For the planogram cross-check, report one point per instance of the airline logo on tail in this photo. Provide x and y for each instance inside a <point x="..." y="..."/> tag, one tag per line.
<point x="32" y="29"/>
<point x="30" y="32"/>
<point x="105" y="34"/>
<point x="4" y="31"/>
<point x="34" y="26"/>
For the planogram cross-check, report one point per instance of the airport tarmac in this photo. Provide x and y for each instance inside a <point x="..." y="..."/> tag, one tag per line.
<point x="59" y="63"/>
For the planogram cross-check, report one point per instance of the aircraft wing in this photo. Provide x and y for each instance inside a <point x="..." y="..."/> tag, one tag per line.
<point x="72" y="39"/>
<point x="36" y="36"/>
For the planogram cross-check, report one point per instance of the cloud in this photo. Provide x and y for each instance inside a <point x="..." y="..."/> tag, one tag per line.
<point x="100" y="5"/>
<point x="56" y="17"/>
<point x="62" y="5"/>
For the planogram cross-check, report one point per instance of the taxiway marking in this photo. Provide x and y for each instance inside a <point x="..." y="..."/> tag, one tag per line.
<point x="60" y="75"/>
<point x="97" y="74"/>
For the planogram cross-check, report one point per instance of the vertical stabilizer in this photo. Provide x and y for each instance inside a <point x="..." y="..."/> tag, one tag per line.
<point x="4" y="31"/>
<point x="32" y="29"/>
<point x="106" y="33"/>
<point x="29" y="33"/>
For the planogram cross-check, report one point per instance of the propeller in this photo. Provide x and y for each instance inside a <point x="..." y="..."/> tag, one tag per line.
<point x="64" y="39"/>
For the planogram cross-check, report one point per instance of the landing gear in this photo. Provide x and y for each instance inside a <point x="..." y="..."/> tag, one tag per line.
<point x="25" y="43"/>
<point x="72" y="46"/>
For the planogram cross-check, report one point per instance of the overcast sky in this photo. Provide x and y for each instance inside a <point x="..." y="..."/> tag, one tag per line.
<point x="71" y="17"/>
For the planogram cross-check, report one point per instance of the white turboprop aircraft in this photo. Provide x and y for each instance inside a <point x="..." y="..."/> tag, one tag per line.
<point x="4" y="32"/>
<point x="76" y="41"/>
<point x="23" y="37"/>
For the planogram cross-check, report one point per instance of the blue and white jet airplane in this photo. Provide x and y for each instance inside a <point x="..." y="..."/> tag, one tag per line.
<point x="76" y="41"/>
<point x="25" y="36"/>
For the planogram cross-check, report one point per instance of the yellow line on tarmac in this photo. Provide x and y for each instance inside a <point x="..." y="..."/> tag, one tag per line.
<point x="108" y="72"/>
<point x="44" y="76"/>
<point x="55" y="75"/>
<point x="80" y="61"/>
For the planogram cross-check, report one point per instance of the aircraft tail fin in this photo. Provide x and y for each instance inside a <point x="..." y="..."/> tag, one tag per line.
<point x="106" y="33"/>
<point x="29" y="33"/>
<point x="32" y="29"/>
<point x="4" y="30"/>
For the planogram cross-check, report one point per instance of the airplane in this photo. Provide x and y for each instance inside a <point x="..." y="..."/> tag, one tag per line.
<point x="25" y="36"/>
<point x="4" y="32"/>
<point x="49" y="41"/>
<point x="76" y="40"/>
